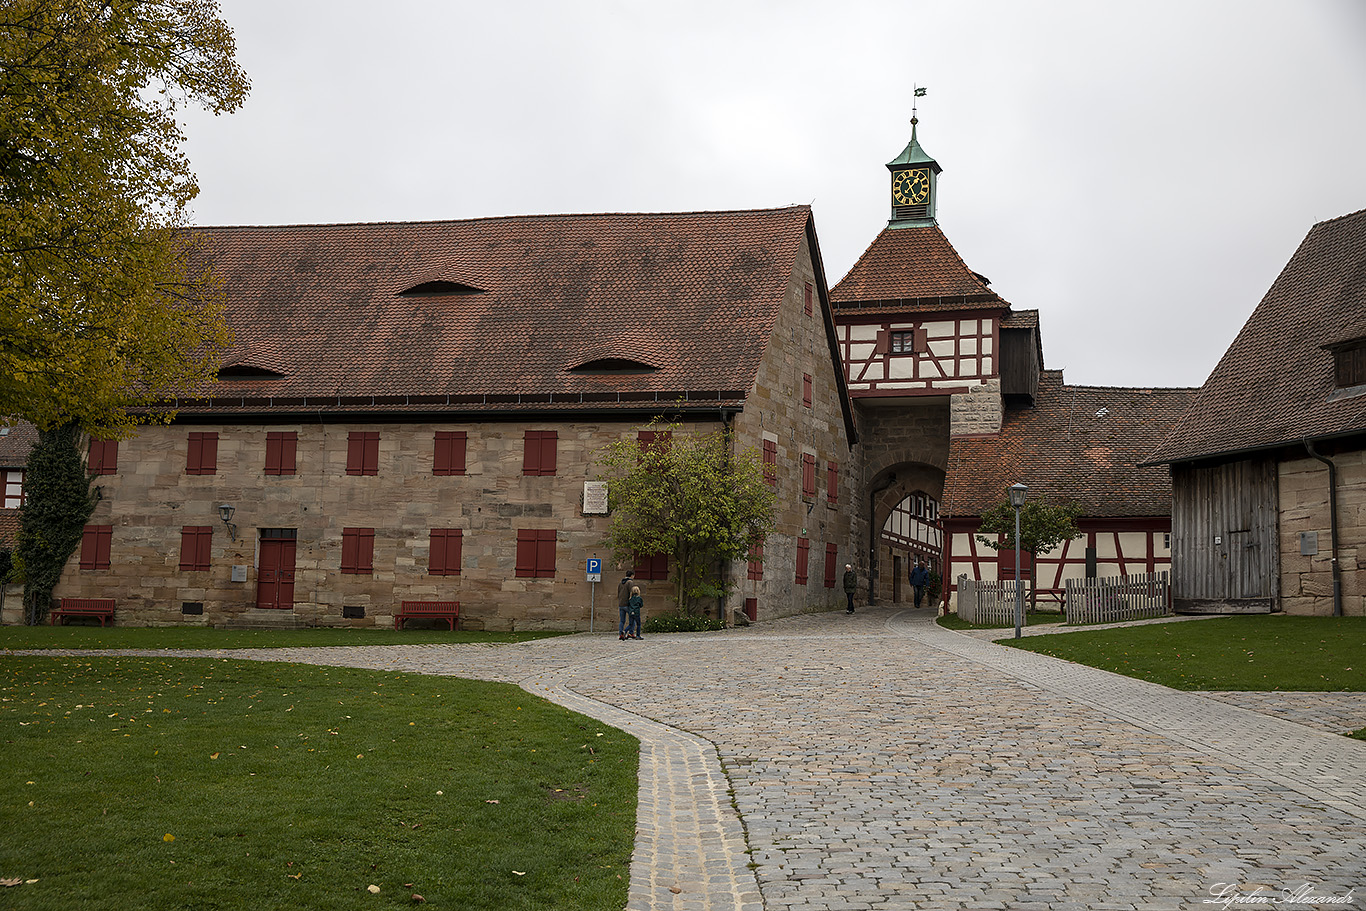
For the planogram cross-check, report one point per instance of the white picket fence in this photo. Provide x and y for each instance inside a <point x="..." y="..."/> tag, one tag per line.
<point x="987" y="603"/>
<point x="1118" y="598"/>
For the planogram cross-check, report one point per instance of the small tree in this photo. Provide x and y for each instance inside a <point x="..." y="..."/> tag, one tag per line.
<point x="689" y="496"/>
<point x="52" y="521"/>
<point x="1042" y="528"/>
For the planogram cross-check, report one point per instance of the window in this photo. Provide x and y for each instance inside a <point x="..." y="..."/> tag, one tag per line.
<point x="803" y="553"/>
<point x="14" y="488"/>
<point x="809" y="297"/>
<point x="358" y="551"/>
<point x="362" y="452"/>
<point x="538" y="458"/>
<point x="1349" y="365"/>
<point x="831" y="561"/>
<point x="447" y="547"/>
<point x="536" y="553"/>
<point x="771" y="462"/>
<point x="807" y="396"/>
<point x="756" y="563"/>
<point x="808" y="475"/>
<point x="202" y="457"/>
<point x="652" y="567"/>
<point x="649" y="438"/>
<point x="832" y="483"/>
<point x="195" y="544"/>
<point x="95" y="546"/>
<point x="104" y="456"/>
<point x="902" y="342"/>
<point x="1005" y="563"/>
<point x="281" y="447"/>
<point x="448" y="455"/>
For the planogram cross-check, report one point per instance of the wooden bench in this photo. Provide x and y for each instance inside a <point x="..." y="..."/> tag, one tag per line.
<point x="103" y="608"/>
<point x="429" y="610"/>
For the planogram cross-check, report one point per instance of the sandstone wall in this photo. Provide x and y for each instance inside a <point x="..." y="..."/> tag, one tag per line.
<point x="1306" y="580"/>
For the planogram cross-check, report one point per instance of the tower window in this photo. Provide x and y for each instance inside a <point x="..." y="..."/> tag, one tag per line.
<point x="903" y="342"/>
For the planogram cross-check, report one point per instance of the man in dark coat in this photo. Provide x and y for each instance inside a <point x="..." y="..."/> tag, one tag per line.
<point x="920" y="577"/>
<point x="850" y="585"/>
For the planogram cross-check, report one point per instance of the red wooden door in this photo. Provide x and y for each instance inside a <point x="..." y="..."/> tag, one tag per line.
<point x="275" y="580"/>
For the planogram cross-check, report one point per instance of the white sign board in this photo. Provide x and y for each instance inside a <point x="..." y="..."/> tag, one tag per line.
<point x="595" y="498"/>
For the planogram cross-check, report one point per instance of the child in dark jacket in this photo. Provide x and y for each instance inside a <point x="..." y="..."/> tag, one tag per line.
<point x="633" y="608"/>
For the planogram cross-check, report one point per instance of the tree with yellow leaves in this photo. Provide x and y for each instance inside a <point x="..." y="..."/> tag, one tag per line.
<point x="100" y="312"/>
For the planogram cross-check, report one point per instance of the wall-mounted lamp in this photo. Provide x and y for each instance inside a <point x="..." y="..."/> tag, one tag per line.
<point x="225" y="512"/>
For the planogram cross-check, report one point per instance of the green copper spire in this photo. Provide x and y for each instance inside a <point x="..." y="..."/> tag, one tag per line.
<point x="915" y="184"/>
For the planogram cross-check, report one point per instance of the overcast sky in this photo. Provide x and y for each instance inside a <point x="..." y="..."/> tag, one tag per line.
<point x="1137" y="172"/>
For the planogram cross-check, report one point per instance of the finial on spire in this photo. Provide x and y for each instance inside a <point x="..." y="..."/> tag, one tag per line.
<point x="916" y="92"/>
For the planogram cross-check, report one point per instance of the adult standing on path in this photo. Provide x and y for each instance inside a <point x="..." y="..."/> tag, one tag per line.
<point x="624" y="602"/>
<point x="850" y="585"/>
<point x="920" y="577"/>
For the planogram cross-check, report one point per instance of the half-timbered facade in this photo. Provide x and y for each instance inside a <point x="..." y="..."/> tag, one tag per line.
<point x="1269" y="464"/>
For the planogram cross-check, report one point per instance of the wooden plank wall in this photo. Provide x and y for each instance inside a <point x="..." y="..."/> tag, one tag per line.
<point x="1235" y="503"/>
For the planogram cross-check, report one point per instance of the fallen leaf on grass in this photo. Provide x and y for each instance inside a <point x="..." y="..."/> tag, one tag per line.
<point x="373" y="888"/>
<point x="213" y="755"/>
<point x="418" y="898"/>
<point x="519" y="872"/>
<point x="16" y="881"/>
<point x="294" y="875"/>
<point x="490" y="801"/>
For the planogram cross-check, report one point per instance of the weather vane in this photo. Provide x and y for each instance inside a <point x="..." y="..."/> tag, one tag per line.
<point x="916" y="92"/>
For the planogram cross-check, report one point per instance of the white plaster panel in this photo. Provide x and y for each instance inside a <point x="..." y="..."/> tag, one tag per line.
<point x="967" y="346"/>
<point x="862" y="333"/>
<point x="900" y="368"/>
<point x="939" y="330"/>
<point x="986" y="346"/>
<point x="942" y="348"/>
<point x="1105" y="545"/>
<point x="967" y="366"/>
<point x="861" y="352"/>
<point x="968" y="327"/>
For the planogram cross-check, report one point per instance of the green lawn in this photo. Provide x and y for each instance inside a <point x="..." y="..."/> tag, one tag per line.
<point x="219" y="784"/>
<point x="80" y="636"/>
<point x="1258" y="653"/>
<point x="1032" y="618"/>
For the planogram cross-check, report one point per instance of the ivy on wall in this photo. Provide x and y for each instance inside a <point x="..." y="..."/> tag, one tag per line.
<point x="58" y="501"/>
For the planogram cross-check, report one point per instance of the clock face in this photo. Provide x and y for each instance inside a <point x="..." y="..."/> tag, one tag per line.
<point x="912" y="187"/>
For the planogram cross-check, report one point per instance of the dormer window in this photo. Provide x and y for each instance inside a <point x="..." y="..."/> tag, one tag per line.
<point x="248" y="372"/>
<point x="612" y="366"/>
<point x="1349" y="364"/>
<point x="439" y="288"/>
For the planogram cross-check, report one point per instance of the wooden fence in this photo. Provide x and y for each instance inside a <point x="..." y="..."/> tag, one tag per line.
<point x="987" y="603"/>
<point x="1118" y="598"/>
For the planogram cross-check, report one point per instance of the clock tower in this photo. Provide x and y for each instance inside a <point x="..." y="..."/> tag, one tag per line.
<point x="915" y="177"/>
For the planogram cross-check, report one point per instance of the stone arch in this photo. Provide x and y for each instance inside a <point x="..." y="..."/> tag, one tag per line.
<point x="889" y="488"/>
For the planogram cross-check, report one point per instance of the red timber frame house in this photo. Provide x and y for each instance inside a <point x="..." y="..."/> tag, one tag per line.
<point x="954" y="406"/>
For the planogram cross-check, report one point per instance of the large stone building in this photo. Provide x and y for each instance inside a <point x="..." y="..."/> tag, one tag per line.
<point x="411" y="411"/>
<point x="1269" y="464"/>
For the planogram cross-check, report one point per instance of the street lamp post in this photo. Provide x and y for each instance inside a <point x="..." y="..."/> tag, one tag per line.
<point x="1017" y="498"/>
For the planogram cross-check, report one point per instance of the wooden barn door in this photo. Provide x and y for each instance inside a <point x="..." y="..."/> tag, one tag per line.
<point x="275" y="579"/>
<point x="1224" y="548"/>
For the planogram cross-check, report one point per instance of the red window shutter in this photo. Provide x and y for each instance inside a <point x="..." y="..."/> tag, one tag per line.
<point x="545" y="554"/>
<point x="281" y="451"/>
<point x="921" y="341"/>
<point x="531" y="453"/>
<point x="1005" y="563"/>
<point x="756" y="563"/>
<point x="362" y="452"/>
<point x="809" y="295"/>
<point x="196" y="546"/>
<point x="526" y="554"/>
<point x="883" y="342"/>
<point x="808" y="475"/>
<point x="448" y="457"/>
<point x="95" y="542"/>
<point x="831" y="559"/>
<point x="104" y="456"/>
<point x="446" y="547"/>
<point x="771" y="462"/>
<point x="358" y="550"/>
<point x="202" y="457"/>
<point x="652" y="567"/>
<point x="807" y="396"/>
<point x="832" y="482"/>
<point x="550" y="441"/>
<point x="803" y="554"/>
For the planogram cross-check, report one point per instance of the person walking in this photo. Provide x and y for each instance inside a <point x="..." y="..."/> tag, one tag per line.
<point x="633" y="609"/>
<point x="850" y="585"/>
<point x="624" y="602"/>
<point x="920" y="577"/>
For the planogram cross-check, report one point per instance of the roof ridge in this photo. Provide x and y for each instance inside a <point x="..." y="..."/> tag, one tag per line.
<point x="793" y="207"/>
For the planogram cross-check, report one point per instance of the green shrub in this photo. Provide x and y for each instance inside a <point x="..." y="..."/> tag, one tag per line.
<point x="682" y="623"/>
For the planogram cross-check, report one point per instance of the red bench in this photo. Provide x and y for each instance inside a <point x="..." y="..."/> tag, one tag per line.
<point x="429" y="610"/>
<point x="103" y="608"/>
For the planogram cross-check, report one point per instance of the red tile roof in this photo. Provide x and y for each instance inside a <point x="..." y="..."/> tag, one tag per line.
<point x="693" y="294"/>
<point x="1075" y="443"/>
<point x="1274" y="385"/>
<point x="15" y="442"/>
<point x="912" y="269"/>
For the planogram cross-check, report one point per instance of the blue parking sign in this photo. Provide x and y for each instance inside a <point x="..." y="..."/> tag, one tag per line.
<point x="594" y="569"/>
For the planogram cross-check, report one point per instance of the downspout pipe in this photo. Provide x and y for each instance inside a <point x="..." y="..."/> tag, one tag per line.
<point x="873" y="536"/>
<point x="1332" y="523"/>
